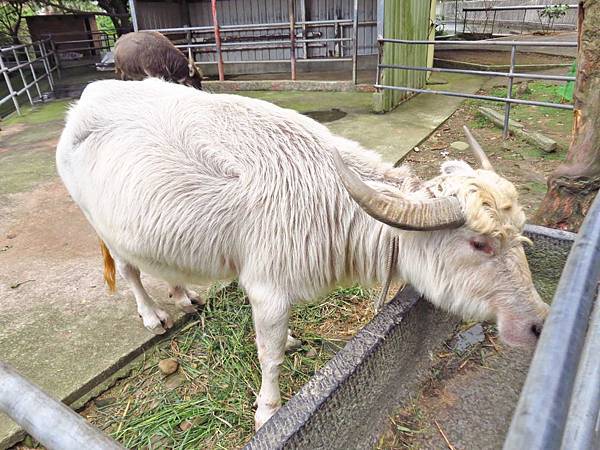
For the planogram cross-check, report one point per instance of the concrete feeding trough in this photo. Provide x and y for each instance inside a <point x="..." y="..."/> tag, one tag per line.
<point x="346" y="403"/>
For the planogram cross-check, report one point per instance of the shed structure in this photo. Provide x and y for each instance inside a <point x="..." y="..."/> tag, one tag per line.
<point x="77" y="26"/>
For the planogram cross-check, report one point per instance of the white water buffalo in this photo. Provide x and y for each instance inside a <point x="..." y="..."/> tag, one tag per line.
<point x="187" y="186"/>
<point x="145" y="54"/>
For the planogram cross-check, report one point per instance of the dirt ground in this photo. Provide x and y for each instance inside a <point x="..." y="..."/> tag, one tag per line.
<point x="520" y="162"/>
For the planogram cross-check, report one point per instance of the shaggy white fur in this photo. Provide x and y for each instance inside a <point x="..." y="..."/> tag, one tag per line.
<point x="189" y="186"/>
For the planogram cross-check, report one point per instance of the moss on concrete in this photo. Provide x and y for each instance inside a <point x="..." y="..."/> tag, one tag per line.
<point x="350" y="102"/>
<point x="46" y="112"/>
<point x="22" y="170"/>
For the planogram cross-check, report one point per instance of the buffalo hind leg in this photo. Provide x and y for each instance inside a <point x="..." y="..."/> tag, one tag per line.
<point x="155" y="319"/>
<point x="185" y="299"/>
<point x="270" y="315"/>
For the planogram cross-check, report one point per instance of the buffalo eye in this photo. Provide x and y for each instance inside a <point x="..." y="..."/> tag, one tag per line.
<point x="482" y="246"/>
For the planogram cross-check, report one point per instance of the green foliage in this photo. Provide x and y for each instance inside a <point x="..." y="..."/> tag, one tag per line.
<point x="554" y="11"/>
<point x="551" y="13"/>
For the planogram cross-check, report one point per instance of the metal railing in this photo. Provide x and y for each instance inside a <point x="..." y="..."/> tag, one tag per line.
<point x="218" y="38"/>
<point x="496" y="9"/>
<point x="48" y="420"/>
<point x="24" y="67"/>
<point x="84" y="47"/>
<point x="511" y="74"/>
<point x="559" y="407"/>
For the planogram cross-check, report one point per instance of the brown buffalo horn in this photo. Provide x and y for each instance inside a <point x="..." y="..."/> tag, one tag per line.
<point x="191" y="62"/>
<point x="398" y="212"/>
<point x="484" y="162"/>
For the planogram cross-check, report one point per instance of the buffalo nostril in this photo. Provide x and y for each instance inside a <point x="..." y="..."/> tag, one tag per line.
<point x="536" y="329"/>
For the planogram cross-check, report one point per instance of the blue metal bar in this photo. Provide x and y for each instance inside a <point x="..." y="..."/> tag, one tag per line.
<point x="484" y="42"/>
<point x="475" y="96"/>
<point x="585" y="403"/>
<point x="532" y="76"/>
<point x="49" y="421"/>
<point x="541" y="414"/>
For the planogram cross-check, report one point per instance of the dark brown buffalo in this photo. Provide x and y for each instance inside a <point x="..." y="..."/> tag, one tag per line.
<point x="145" y="54"/>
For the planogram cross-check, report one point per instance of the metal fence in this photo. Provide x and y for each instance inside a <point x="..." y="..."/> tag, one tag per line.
<point x="295" y="35"/>
<point x="559" y="407"/>
<point x="81" y="48"/>
<point x="483" y="18"/>
<point x="511" y="74"/>
<point x="23" y="68"/>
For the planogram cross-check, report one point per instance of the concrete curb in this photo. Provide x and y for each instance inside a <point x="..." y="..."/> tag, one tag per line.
<point x="104" y="380"/>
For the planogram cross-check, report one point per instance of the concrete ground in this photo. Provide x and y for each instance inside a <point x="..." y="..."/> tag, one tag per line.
<point x="393" y="134"/>
<point x="58" y="325"/>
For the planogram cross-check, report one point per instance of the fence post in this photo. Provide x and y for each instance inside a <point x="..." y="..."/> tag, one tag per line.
<point x="56" y="58"/>
<point x="292" y="11"/>
<point x="11" y="91"/>
<point x="42" y="46"/>
<point x="355" y="46"/>
<point x="37" y="86"/>
<point x="304" y="34"/>
<point x="217" y="40"/>
<point x="379" y="61"/>
<point x="505" y="131"/>
<point x="16" y="55"/>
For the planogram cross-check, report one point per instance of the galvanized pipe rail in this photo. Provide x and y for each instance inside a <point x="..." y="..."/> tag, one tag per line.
<point x="6" y="70"/>
<point x="49" y="421"/>
<point x="559" y="406"/>
<point x="221" y="45"/>
<point x="511" y="75"/>
<point x="496" y="9"/>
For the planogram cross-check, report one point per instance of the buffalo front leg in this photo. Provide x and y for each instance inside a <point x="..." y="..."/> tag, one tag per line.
<point x="155" y="319"/>
<point x="271" y="326"/>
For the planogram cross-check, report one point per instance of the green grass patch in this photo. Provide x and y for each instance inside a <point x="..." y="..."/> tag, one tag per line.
<point x="208" y="402"/>
<point x="39" y="114"/>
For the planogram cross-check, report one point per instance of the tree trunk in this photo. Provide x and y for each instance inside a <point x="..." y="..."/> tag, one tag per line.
<point x="574" y="184"/>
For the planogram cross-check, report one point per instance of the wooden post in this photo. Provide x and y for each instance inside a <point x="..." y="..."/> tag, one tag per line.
<point x="292" y="11"/>
<point x="218" y="40"/>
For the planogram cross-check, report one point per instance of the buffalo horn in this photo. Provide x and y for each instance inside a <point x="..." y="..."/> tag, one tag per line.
<point x="396" y="211"/>
<point x="484" y="162"/>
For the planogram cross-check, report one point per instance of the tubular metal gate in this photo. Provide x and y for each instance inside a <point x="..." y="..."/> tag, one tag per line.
<point x="290" y="41"/>
<point x="559" y="407"/>
<point x="24" y="60"/>
<point x="511" y="74"/>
